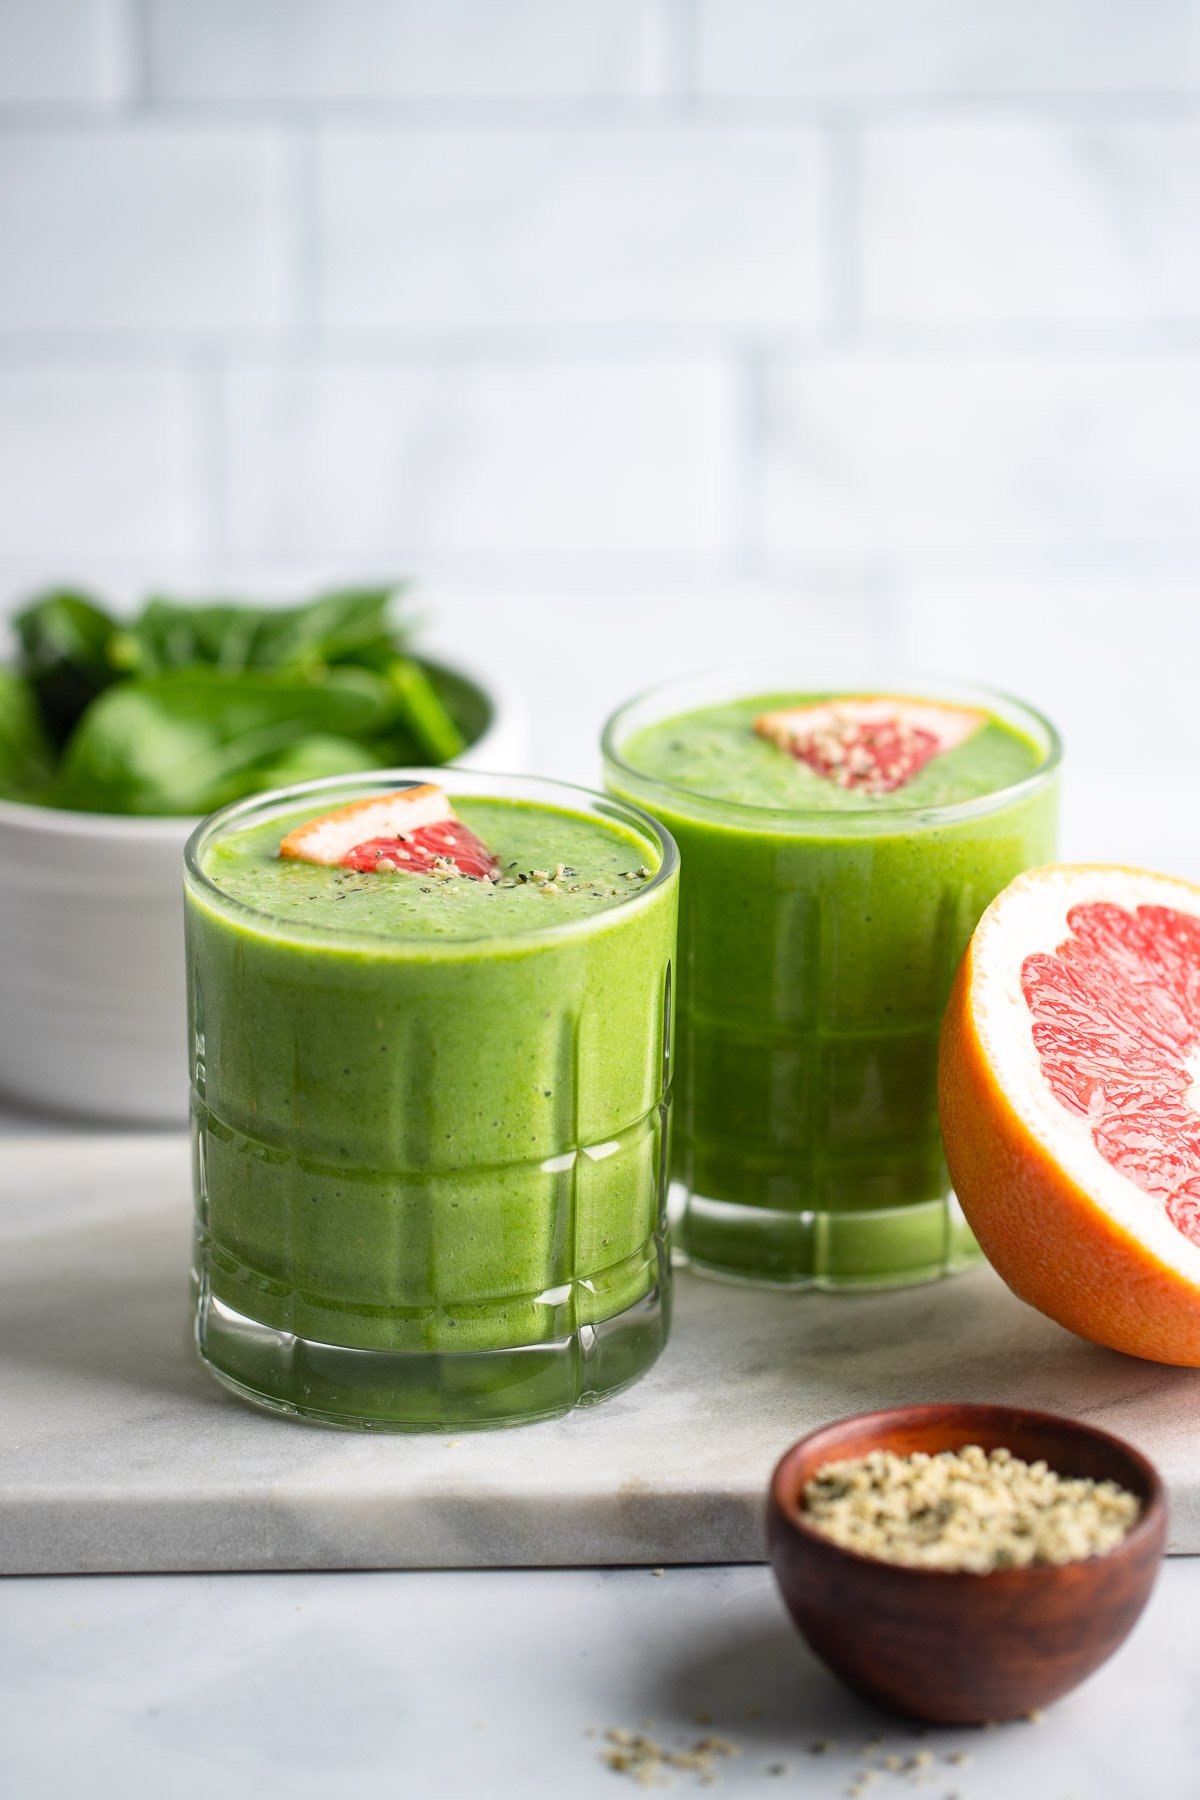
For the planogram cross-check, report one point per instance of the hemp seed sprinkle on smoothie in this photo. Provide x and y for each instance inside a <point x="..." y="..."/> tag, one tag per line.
<point x="409" y="864"/>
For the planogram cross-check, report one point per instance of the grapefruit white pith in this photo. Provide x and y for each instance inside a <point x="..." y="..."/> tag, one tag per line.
<point x="1072" y="1128"/>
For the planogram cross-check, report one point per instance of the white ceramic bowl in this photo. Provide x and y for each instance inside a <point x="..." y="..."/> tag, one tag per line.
<point x="92" y="1012"/>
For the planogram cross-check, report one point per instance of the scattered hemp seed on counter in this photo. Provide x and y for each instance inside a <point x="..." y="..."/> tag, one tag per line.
<point x="651" y="1764"/>
<point x="888" y="1770"/>
<point x="966" y="1509"/>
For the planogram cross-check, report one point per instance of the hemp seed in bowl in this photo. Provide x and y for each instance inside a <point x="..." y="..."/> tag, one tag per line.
<point x="968" y="1509"/>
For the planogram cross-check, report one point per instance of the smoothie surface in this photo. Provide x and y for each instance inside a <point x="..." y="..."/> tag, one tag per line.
<point x="556" y="866"/>
<point x="716" y="754"/>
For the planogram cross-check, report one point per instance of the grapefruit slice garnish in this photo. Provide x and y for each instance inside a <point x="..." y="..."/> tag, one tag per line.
<point x="413" y="829"/>
<point x="1071" y="1120"/>
<point x="873" y="744"/>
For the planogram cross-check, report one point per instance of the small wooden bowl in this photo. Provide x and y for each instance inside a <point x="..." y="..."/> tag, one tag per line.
<point x="958" y="1648"/>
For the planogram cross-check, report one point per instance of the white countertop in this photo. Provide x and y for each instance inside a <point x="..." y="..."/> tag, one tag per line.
<point x="120" y="1454"/>
<point x="485" y="1685"/>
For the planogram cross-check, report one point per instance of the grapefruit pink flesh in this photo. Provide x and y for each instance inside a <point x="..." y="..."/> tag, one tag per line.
<point x="1116" y="1021"/>
<point x="873" y="744"/>
<point x="423" y="849"/>
<point x="1065" y="1095"/>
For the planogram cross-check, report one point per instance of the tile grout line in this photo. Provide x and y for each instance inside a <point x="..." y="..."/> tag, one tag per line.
<point x="679" y="105"/>
<point x="1067" y="344"/>
<point x="679" y="40"/>
<point x="126" y="44"/>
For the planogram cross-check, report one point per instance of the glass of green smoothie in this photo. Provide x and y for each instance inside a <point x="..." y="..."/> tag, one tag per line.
<point x="430" y="1024"/>
<point x="839" y="839"/>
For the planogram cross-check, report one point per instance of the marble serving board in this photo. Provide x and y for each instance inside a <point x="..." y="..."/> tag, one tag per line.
<point x="118" y="1451"/>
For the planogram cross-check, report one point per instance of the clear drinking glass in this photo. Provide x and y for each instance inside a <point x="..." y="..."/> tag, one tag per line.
<point x="430" y="1173"/>
<point x="816" y="953"/>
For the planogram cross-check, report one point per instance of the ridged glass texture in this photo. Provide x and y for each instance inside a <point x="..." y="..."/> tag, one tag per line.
<point x="433" y="1264"/>
<point x="816" y="954"/>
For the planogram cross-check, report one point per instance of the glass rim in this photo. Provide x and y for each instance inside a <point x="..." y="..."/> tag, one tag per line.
<point x="483" y="785"/>
<point x="745" y="680"/>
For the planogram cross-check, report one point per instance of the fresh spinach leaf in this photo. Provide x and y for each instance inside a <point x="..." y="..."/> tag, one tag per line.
<point x="166" y="636"/>
<point x="312" y="757"/>
<point x="25" y="757"/>
<point x="188" y="740"/>
<point x="347" y="626"/>
<point x="188" y="707"/>
<point x="422" y="713"/>
<point x="65" y="640"/>
<point x="351" y="625"/>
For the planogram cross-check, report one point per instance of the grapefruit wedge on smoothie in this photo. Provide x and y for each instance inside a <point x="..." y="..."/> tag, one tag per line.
<point x="1069" y="1106"/>
<point x="874" y="744"/>
<point x="415" y="828"/>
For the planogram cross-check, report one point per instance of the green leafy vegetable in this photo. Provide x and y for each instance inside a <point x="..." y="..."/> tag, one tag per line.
<point x="337" y="627"/>
<point x="421" y="711"/>
<point x="189" y="740"/>
<point x="184" y="708"/>
<point x="25" y="757"/>
<point x="310" y="758"/>
<point x="65" y="641"/>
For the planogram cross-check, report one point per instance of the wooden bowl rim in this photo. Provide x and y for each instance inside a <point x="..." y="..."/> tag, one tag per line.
<point x="783" y="1505"/>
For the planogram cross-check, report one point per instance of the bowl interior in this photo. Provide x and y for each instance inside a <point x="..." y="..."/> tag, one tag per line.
<point x="1067" y="1445"/>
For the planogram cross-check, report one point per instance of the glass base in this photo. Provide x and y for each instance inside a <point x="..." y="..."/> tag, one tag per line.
<point x="843" y="1252"/>
<point x="380" y="1390"/>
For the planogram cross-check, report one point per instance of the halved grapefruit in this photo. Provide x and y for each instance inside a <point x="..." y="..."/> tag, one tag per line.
<point x="1070" y="1050"/>
<point x="871" y="742"/>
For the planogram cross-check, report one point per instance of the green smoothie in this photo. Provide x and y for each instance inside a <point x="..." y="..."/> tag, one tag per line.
<point x="431" y="1109"/>
<point x="822" y="916"/>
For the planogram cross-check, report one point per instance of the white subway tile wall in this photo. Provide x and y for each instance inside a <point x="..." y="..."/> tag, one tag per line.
<point x="59" y="50"/>
<point x="859" y="50"/>
<point x="510" y="455"/>
<point x="934" y="451"/>
<point x="256" y="50"/>
<point x="97" y="462"/>
<point x="571" y="228"/>
<point x="645" y="333"/>
<point x="145" y="228"/>
<point x="1075" y="223"/>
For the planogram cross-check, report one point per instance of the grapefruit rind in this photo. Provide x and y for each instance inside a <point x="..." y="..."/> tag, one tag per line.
<point x="1066" y="1230"/>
